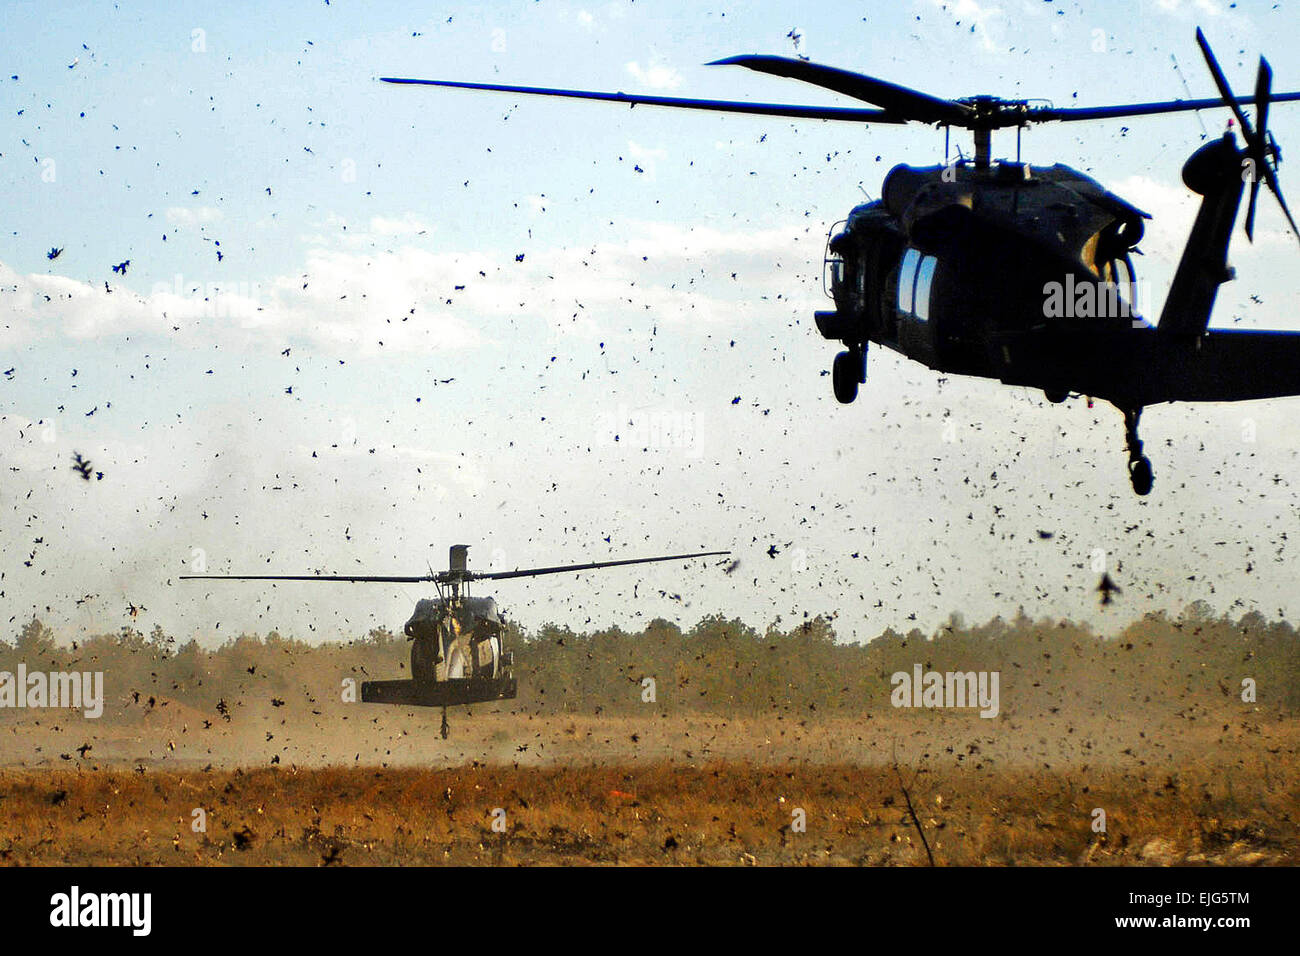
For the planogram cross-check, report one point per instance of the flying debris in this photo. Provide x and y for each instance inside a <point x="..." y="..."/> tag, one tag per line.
<point x="81" y="466"/>
<point x="1107" y="587"/>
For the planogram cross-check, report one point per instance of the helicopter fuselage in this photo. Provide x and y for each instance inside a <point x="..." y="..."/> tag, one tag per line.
<point x="458" y="655"/>
<point x="455" y="637"/>
<point x="1026" y="277"/>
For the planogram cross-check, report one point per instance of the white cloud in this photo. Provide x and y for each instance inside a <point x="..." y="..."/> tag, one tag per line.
<point x="404" y="297"/>
<point x="406" y="226"/>
<point x="340" y="300"/>
<point x="646" y="157"/>
<point x="983" y="21"/>
<point x="40" y="306"/>
<point x="1172" y="209"/>
<point x="656" y="76"/>
<point x="396" y="298"/>
<point x="657" y="239"/>
<point x="1208" y="8"/>
<point x="193" y="215"/>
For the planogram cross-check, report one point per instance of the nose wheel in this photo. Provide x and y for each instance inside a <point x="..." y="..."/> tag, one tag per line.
<point x="848" y="372"/>
<point x="1139" y="465"/>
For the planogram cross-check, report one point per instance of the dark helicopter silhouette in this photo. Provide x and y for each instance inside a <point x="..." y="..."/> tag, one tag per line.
<point x="1025" y="275"/>
<point x="458" y="652"/>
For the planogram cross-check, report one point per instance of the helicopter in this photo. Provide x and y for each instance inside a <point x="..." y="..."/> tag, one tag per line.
<point x="1024" y="274"/>
<point x="458" y="652"/>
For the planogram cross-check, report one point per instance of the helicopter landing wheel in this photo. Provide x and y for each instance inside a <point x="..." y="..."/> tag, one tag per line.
<point x="1056" y="395"/>
<point x="1139" y="465"/>
<point x="847" y="373"/>
<point x="1139" y="473"/>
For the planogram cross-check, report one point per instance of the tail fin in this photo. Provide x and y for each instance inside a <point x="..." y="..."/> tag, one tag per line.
<point x="1214" y="171"/>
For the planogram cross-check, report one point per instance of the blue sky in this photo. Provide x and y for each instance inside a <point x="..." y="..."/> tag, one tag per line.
<point x="437" y="388"/>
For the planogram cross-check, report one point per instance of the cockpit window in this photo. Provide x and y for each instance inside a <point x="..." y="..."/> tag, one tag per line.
<point x="837" y="271"/>
<point x="907" y="279"/>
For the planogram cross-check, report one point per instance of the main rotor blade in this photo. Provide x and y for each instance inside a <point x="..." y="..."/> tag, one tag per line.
<point x="1222" y="83"/>
<point x="1073" y="114"/>
<point x="933" y="110"/>
<point x="351" y="578"/>
<point x="898" y="100"/>
<point x="533" y="572"/>
<point x="840" y="113"/>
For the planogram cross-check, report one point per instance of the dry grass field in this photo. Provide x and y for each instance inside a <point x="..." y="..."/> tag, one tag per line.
<point x="765" y="751"/>
<point x="716" y="813"/>
<point x="673" y="791"/>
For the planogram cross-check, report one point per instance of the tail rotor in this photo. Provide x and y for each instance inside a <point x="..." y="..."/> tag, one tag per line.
<point x="1262" y="152"/>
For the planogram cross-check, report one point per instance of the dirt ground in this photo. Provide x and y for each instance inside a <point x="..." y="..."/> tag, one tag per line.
<point x="380" y="786"/>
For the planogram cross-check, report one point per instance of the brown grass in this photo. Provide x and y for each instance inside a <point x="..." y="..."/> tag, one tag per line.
<point x="1150" y="727"/>
<point x="716" y="813"/>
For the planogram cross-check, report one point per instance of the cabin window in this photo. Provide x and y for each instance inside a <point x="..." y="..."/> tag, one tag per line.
<point x="915" y="280"/>
<point x="907" y="279"/>
<point x="924" y="280"/>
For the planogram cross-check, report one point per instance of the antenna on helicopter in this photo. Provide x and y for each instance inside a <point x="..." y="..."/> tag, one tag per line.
<point x="1205" y="134"/>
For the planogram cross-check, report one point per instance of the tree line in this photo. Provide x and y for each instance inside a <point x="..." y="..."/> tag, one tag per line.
<point x="720" y="665"/>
